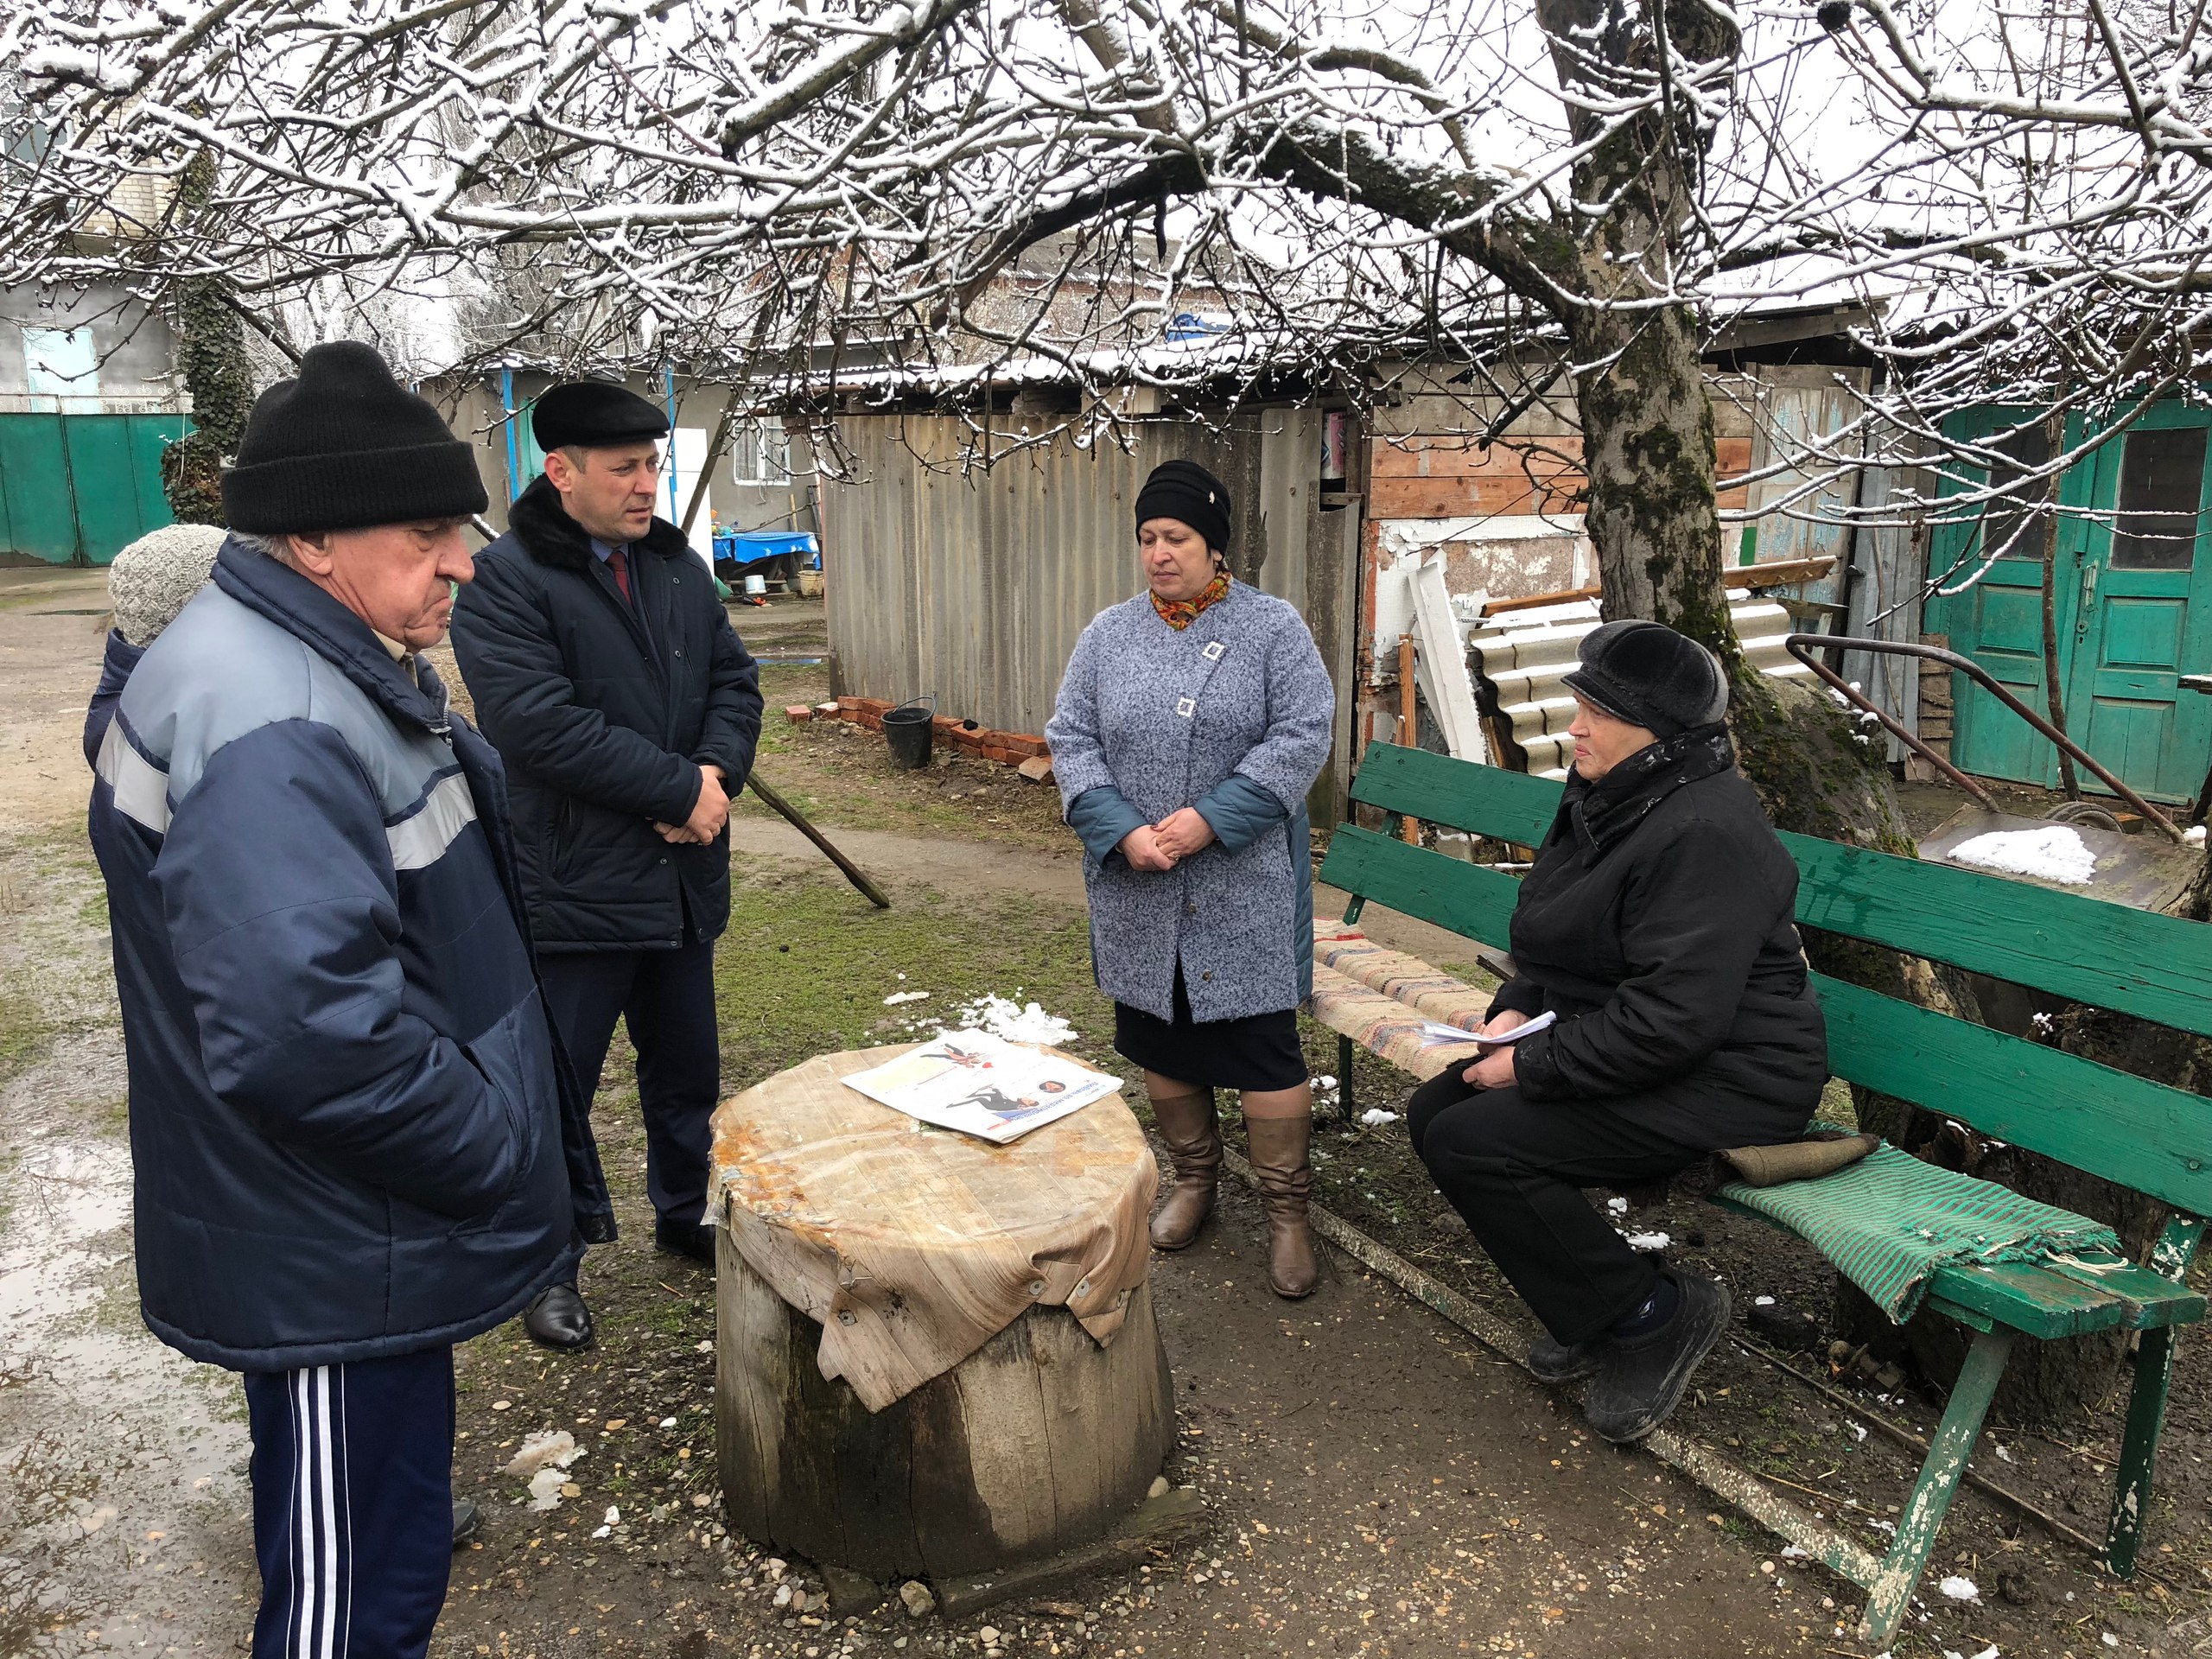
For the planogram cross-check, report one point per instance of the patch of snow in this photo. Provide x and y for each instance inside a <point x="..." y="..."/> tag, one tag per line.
<point x="897" y="997"/>
<point x="2194" y="834"/>
<point x="1648" y="1241"/>
<point x="1618" y="1206"/>
<point x="1761" y="1301"/>
<point x="1375" y="1117"/>
<point x="2053" y="853"/>
<point x="549" y="1448"/>
<point x="1959" y="1589"/>
<point x="1016" y="1022"/>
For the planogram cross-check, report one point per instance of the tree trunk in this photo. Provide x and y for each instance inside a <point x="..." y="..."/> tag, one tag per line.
<point x="211" y="347"/>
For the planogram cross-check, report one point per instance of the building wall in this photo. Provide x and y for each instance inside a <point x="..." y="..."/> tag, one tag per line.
<point x="971" y="585"/>
<point x="133" y="352"/>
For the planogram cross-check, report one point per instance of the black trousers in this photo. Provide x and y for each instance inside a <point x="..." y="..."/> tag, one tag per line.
<point x="1515" y="1171"/>
<point x="666" y="998"/>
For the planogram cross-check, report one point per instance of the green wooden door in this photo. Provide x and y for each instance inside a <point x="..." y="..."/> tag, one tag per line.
<point x="2142" y="612"/>
<point x="1991" y="559"/>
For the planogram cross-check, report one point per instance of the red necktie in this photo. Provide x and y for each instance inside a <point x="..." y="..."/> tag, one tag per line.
<point x="619" y="563"/>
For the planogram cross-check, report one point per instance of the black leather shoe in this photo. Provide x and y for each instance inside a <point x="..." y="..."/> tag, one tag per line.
<point x="467" y="1520"/>
<point x="556" y="1317"/>
<point x="1640" y="1380"/>
<point x="1556" y="1364"/>
<point x="693" y="1239"/>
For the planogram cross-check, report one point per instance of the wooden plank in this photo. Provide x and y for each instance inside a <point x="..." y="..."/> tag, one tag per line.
<point x="2137" y="961"/>
<point x="2156" y="967"/>
<point x="1465" y="897"/>
<point x="2031" y="1299"/>
<point x="1488" y="800"/>
<point x="2143" y="1134"/>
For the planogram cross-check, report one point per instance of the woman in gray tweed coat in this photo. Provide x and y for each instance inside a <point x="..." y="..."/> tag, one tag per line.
<point x="1191" y="723"/>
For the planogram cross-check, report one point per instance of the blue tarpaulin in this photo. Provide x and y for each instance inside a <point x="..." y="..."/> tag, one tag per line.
<point x="743" y="547"/>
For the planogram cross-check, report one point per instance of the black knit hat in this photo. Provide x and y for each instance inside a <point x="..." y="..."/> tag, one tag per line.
<point x="1184" y="490"/>
<point x="345" y="446"/>
<point x="1650" y="676"/>
<point x="595" y="414"/>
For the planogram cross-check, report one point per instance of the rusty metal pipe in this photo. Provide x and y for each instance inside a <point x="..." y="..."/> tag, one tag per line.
<point x="1799" y="646"/>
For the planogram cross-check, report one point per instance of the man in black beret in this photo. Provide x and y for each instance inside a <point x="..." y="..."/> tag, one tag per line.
<point x="605" y="671"/>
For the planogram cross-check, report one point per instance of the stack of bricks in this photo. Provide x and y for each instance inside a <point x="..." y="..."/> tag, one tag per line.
<point x="1008" y="748"/>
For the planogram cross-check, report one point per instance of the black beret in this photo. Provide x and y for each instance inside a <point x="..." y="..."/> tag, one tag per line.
<point x="594" y="413"/>
<point x="1184" y="490"/>
<point x="1650" y="676"/>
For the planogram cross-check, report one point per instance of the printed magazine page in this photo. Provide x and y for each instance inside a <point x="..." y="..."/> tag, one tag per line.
<point x="983" y="1085"/>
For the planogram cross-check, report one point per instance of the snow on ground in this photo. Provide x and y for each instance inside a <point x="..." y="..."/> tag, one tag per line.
<point x="1016" y="1022"/>
<point x="2054" y="853"/>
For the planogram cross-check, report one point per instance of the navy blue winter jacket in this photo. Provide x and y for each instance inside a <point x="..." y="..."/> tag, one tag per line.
<point x="604" y="711"/>
<point x="347" y="1113"/>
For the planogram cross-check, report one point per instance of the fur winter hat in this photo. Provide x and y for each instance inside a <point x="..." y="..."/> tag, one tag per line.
<point x="151" y="579"/>
<point x="1650" y="676"/>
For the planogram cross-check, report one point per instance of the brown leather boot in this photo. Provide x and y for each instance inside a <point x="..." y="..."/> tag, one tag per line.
<point x="1192" y="1131"/>
<point x="1286" y="1180"/>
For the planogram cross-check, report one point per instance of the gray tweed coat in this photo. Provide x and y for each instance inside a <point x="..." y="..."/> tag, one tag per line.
<point x="1165" y="716"/>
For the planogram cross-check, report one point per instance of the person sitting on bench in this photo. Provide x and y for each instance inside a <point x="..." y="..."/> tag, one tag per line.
<point x="1656" y="926"/>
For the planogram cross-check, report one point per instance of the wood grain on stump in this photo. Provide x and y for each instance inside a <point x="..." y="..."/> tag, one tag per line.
<point x="1013" y="1445"/>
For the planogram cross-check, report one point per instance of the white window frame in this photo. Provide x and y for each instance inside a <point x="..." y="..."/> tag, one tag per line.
<point x="69" y="349"/>
<point x="747" y="448"/>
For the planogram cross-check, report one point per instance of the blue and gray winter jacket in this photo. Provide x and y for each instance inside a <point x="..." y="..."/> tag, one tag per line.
<point x="346" y="1114"/>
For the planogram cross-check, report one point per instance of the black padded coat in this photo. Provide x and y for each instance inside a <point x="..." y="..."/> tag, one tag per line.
<point x="1658" y="922"/>
<point x="603" y="713"/>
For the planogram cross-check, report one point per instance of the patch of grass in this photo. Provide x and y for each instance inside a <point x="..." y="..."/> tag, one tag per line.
<point x="807" y="961"/>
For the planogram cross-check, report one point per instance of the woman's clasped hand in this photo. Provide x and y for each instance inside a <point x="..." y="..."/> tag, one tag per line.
<point x="1162" y="846"/>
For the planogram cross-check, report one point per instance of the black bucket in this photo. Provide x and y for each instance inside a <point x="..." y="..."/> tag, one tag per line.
<point x="907" y="729"/>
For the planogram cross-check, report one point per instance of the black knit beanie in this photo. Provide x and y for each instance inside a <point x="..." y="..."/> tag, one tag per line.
<point x="345" y="446"/>
<point x="1650" y="676"/>
<point x="1184" y="490"/>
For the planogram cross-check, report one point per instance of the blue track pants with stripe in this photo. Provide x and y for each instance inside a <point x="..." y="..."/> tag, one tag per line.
<point x="353" y="1506"/>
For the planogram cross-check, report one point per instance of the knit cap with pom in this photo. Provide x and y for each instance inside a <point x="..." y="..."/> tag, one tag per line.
<point x="152" y="579"/>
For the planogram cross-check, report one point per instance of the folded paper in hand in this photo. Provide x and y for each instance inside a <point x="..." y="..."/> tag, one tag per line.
<point x="1434" y="1034"/>
<point x="984" y="1085"/>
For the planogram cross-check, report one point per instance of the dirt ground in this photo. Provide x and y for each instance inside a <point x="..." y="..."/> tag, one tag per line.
<point x="1376" y="1482"/>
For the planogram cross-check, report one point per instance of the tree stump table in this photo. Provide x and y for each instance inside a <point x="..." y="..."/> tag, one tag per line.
<point x="934" y="1355"/>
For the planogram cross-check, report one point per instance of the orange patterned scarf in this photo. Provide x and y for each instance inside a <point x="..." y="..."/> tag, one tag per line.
<point x="1180" y="613"/>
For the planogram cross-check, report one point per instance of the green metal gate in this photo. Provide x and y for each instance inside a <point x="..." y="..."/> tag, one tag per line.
<point x="74" y="489"/>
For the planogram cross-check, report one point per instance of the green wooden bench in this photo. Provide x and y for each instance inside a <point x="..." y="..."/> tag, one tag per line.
<point x="2146" y="1136"/>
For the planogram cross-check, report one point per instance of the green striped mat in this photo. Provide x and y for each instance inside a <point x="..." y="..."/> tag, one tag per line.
<point x="1889" y="1223"/>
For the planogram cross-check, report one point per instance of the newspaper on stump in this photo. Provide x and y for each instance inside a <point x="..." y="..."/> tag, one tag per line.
<point x="983" y="1085"/>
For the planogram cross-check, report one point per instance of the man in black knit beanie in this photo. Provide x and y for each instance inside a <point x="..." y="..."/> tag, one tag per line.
<point x="352" y="1144"/>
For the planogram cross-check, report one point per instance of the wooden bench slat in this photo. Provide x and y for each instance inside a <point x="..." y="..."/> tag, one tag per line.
<point x="1467" y="898"/>
<point x="2029" y="1299"/>
<point x="1510" y="805"/>
<point x="2137" y="961"/>
<point x="2142" y="1134"/>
